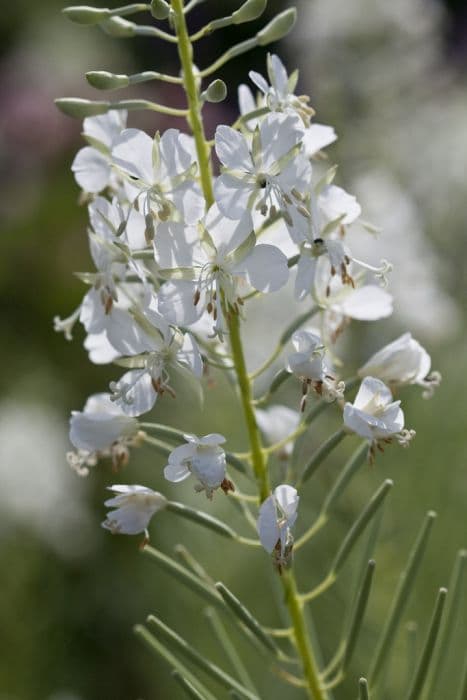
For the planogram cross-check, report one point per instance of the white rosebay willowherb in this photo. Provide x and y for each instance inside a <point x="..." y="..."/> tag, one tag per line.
<point x="279" y="95"/>
<point x="374" y="414"/>
<point x="310" y="365"/>
<point x="101" y="429"/>
<point x="277" y="515"/>
<point x="404" y="361"/>
<point x="160" y="174"/>
<point x="262" y="171"/>
<point x="204" y="458"/>
<point x="207" y="265"/>
<point x="92" y="166"/>
<point x="134" y="507"/>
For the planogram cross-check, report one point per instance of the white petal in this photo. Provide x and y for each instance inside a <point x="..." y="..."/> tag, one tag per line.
<point x="176" y="472"/>
<point x="142" y="395"/>
<point x="91" y="169"/>
<point x="189" y="201"/>
<point x="232" y="149"/>
<point x="287" y="499"/>
<point x="233" y="195"/>
<point x="268" y="529"/>
<point x="335" y="202"/>
<point x="105" y="128"/>
<point x="279" y="134"/>
<point x="267" y="268"/>
<point x="100" y="350"/>
<point x="368" y="303"/>
<point x="176" y="245"/>
<point x="132" y="153"/>
<point x="227" y="234"/>
<point x="304" y="281"/>
<point x="176" y="302"/>
<point x="259" y="81"/>
<point x="176" y="151"/>
<point x="316" y="137"/>
<point x="368" y="388"/>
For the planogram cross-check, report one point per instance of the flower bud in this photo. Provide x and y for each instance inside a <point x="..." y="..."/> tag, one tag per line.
<point x="82" y="14"/>
<point x="103" y="80"/>
<point x="216" y="91"/>
<point x="250" y="10"/>
<point x="79" y="108"/>
<point x="277" y="27"/>
<point x="160" y="9"/>
<point x="118" y="27"/>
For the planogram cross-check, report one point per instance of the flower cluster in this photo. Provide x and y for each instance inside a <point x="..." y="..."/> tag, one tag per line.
<point x="173" y="267"/>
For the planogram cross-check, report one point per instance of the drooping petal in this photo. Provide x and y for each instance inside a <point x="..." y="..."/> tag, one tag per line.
<point x="91" y="170"/>
<point x="232" y="149"/>
<point x="140" y="395"/>
<point x="132" y="153"/>
<point x="268" y="529"/>
<point x="368" y="303"/>
<point x="176" y="472"/>
<point x="266" y="268"/>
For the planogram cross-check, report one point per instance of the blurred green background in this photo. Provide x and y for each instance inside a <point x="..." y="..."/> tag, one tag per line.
<point x="391" y="78"/>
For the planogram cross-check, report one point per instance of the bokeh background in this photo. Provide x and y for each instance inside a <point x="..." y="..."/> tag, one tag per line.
<point x="390" y="76"/>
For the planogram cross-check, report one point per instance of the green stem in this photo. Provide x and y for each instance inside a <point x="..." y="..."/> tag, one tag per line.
<point x="258" y="456"/>
<point x="295" y="608"/>
<point x="185" y="52"/>
<point x="258" y="459"/>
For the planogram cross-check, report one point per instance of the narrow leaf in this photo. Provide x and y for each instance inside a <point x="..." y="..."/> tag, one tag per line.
<point x="401" y="598"/>
<point x="346" y="475"/>
<point x="184" y="576"/>
<point x="358" y="614"/>
<point x="360" y="524"/>
<point x="189" y="689"/>
<point x="246" y="617"/>
<point x="456" y="591"/>
<point x="229" y="648"/>
<point x="318" y="457"/>
<point x="364" y="693"/>
<point x="463" y="686"/>
<point x="195" y="657"/>
<point x="295" y="325"/>
<point x="201" y="518"/>
<point x="423" y="665"/>
<point x="172" y="660"/>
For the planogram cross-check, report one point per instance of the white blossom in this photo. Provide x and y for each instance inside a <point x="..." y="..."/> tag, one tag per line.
<point x="92" y="166"/>
<point x="263" y="171"/>
<point x="134" y="507"/>
<point x="207" y="266"/>
<point x="310" y="365"/>
<point x="204" y="458"/>
<point x="160" y="174"/>
<point x="404" y="361"/>
<point x="279" y="95"/>
<point x="277" y="515"/>
<point x="374" y="414"/>
<point x="153" y="350"/>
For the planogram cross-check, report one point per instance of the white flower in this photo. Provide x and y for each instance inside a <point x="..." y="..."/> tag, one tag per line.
<point x="92" y="166"/>
<point x="204" y="458"/>
<point x="134" y="507"/>
<point x="100" y="430"/>
<point x="153" y="350"/>
<point x="277" y="423"/>
<point x="404" y="361"/>
<point x="277" y="515"/>
<point x="279" y="95"/>
<point x="374" y="415"/>
<point x="210" y="264"/>
<point x="263" y="171"/>
<point x="309" y="363"/>
<point x="160" y="174"/>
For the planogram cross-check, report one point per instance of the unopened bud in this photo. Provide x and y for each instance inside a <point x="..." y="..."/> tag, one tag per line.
<point x="82" y="14"/>
<point x="103" y="80"/>
<point x="216" y="91"/>
<point x="277" y="27"/>
<point x="250" y="10"/>
<point x="160" y="9"/>
<point x="118" y="27"/>
<point x="79" y="108"/>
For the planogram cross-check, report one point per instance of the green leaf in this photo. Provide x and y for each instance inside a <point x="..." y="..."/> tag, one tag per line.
<point x="358" y="614"/>
<point x="246" y="617"/>
<point x="220" y="676"/>
<point x="201" y="518"/>
<point x="318" y="457"/>
<point x="364" y="693"/>
<point x="423" y="665"/>
<point x="400" y="599"/>
<point x="346" y="475"/>
<point x="229" y="648"/>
